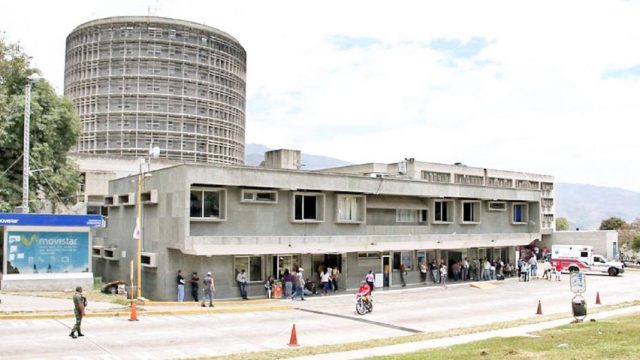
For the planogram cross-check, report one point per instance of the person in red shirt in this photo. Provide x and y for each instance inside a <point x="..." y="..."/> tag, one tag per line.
<point x="558" y="271"/>
<point x="364" y="289"/>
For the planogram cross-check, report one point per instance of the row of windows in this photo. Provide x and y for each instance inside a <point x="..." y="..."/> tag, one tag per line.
<point x="175" y="54"/>
<point x="207" y="203"/>
<point x="145" y="33"/>
<point x="443" y="177"/>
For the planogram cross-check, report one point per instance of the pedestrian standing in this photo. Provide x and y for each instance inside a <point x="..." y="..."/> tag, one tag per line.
<point x="443" y="275"/>
<point x="242" y="284"/>
<point x="435" y="272"/>
<point x="403" y="274"/>
<point x="533" y="262"/>
<point x="209" y="289"/>
<point x="325" y="284"/>
<point x="334" y="278"/>
<point x="79" y="302"/>
<point x="195" y="285"/>
<point x="288" y="283"/>
<point x="180" y="281"/>
<point x="465" y="269"/>
<point x="423" y="271"/>
<point x="269" y="286"/>
<point x="299" y="284"/>
<point x="370" y="278"/>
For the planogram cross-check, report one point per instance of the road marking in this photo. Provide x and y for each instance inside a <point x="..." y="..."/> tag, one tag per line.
<point x="401" y="328"/>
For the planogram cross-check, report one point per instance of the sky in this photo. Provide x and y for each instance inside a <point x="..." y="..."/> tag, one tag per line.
<point x="549" y="87"/>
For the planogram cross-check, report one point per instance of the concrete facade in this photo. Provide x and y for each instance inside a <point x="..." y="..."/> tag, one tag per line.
<point x="138" y="82"/>
<point x="223" y="218"/>
<point x="604" y="242"/>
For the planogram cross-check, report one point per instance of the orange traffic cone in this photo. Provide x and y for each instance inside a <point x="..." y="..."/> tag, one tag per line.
<point x="539" y="312"/>
<point x="294" y="338"/>
<point x="598" y="298"/>
<point x="134" y="312"/>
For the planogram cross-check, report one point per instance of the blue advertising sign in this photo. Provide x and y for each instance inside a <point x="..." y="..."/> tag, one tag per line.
<point x="12" y="219"/>
<point x="32" y="252"/>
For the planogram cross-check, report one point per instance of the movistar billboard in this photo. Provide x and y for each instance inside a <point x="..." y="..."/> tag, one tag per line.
<point x="32" y="252"/>
<point x="13" y="219"/>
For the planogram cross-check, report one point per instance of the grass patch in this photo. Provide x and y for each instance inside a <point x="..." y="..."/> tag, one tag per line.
<point x="324" y="349"/>
<point x="615" y="338"/>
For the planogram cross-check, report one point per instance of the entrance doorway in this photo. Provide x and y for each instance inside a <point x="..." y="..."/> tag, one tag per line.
<point x="333" y="261"/>
<point x="280" y="263"/>
<point x="386" y="270"/>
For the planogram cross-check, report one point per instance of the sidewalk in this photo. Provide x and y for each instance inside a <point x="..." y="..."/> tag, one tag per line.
<point x="524" y="330"/>
<point x="36" y="307"/>
<point x="19" y="306"/>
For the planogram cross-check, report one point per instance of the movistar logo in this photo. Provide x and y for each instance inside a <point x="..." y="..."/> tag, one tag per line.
<point x="28" y="242"/>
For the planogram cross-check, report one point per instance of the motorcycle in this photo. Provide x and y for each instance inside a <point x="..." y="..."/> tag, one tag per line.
<point x="363" y="304"/>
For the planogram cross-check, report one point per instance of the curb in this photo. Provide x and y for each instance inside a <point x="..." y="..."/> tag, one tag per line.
<point x="141" y="313"/>
<point x="197" y="304"/>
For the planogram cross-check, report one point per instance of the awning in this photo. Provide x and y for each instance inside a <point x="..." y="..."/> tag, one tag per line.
<point x="210" y="246"/>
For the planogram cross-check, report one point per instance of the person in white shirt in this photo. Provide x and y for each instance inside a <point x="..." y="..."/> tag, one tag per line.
<point x="465" y="269"/>
<point x="242" y="283"/>
<point x="486" y="275"/>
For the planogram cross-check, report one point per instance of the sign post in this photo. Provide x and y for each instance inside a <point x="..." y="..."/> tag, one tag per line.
<point x="578" y="283"/>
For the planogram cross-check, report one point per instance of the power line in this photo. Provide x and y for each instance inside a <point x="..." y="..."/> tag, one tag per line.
<point x="10" y="166"/>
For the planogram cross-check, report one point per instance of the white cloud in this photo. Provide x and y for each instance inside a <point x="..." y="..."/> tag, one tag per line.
<point x="534" y="99"/>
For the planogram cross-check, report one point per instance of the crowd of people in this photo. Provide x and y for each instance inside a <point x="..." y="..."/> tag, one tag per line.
<point x="296" y="285"/>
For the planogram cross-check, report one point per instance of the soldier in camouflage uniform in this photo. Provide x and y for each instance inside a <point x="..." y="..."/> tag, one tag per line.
<point x="78" y="309"/>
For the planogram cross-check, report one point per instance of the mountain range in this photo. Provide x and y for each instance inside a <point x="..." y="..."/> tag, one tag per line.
<point x="585" y="206"/>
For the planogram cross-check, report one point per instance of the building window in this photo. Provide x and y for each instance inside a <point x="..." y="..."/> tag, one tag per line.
<point x="259" y="196"/>
<point x="471" y="212"/>
<point x="434" y="176"/>
<point x="497" y="206"/>
<point x="207" y="204"/>
<point x="443" y="211"/>
<point x="308" y="207"/>
<point x="286" y="262"/>
<point x="412" y="216"/>
<point x="368" y="256"/>
<point x="405" y="258"/>
<point x="520" y="213"/>
<point x="252" y="265"/>
<point x="351" y="208"/>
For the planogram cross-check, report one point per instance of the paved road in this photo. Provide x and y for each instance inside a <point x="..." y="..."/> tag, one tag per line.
<point x="320" y="320"/>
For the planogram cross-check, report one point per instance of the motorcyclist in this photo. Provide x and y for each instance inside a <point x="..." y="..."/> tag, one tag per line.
<point x="364" y="291"/>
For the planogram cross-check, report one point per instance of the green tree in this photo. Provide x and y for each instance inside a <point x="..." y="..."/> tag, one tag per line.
<point x="562" y="224"/>
<point x="54" y="129"/>
<point x="612" y="223"/>
<point x="635" y="243"/>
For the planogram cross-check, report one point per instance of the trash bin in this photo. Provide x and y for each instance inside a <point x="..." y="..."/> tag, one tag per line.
<point x="276" y="291"/>
<point x="579" y="307"/>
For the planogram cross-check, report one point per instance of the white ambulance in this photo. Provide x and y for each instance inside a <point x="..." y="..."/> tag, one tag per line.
<point x="581" y="258"/>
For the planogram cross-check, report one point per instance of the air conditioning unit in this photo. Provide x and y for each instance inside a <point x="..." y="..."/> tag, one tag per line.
<point x="149" y="197"/>
<point x="97" y="251"/>
<point x="111" y="253"/>
<point x="148" y="260"/>
<point x="127" y="199"/>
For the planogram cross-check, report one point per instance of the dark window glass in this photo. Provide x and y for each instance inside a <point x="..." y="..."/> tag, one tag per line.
<point x="467" y="212"/>
<point x="211" y="204"/>
<point x="196" y="204"/>
<point x="298" y="207"/>
<point x="255" y="271"/>
<point x="309" y="208"/>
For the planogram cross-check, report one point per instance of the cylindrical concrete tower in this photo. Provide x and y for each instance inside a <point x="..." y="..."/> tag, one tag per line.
<point x="142" y="81"/>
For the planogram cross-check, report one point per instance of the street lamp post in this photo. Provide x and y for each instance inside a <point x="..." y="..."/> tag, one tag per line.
<point x="138" y="233"/>
<point x="26" y="142"/>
